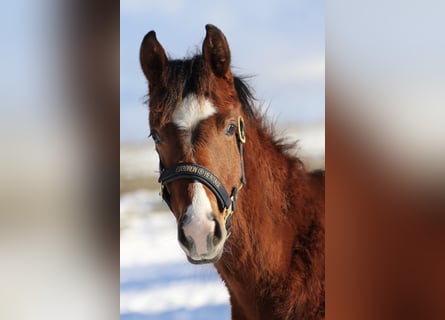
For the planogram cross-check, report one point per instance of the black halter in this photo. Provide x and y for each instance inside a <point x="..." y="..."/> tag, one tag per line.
<point x="226" y="203"/>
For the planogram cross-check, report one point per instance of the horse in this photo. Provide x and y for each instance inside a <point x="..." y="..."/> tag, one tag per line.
<point x="241" y="198"/>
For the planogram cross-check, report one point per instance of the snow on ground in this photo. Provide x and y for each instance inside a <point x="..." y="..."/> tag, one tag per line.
<point x="157" y="281"/>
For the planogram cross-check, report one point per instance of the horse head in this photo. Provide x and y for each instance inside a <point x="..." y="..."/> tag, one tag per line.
<point x="196" y="122"/>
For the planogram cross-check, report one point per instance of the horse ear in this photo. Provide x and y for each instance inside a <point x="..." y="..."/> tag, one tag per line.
<point x="152" y="57"/>
<point x="216" y="52"/>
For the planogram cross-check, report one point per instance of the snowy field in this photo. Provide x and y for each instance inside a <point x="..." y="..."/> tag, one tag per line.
<point x="157" y="282"/>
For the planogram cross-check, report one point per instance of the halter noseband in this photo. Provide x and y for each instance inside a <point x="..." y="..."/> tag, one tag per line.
<point x="193" y="171"/>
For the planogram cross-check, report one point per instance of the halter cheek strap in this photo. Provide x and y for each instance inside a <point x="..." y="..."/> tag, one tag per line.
<point x="226" y="203"/>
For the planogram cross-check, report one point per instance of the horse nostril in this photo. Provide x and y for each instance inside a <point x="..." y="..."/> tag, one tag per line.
<point x="217" y="234"/>
<point x="184" y="220"/>
<point x="181" y="234"/>
<point x="182" y="238"/>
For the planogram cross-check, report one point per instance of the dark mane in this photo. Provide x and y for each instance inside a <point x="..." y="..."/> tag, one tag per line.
<point x="246" y="98"/>
<point x="249" y="103"/>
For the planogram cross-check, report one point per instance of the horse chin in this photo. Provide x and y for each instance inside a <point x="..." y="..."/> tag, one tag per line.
<point x="204" y="260"/>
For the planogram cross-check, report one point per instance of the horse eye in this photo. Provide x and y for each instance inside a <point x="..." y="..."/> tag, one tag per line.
<point x="231" y="129"/>
<point x="156" y="138"/>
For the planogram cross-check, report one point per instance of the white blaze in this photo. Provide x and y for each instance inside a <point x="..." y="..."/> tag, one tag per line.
<point x="192" y="111"/>
<point x="198" y="214"/>
<point x="186" y="117"/>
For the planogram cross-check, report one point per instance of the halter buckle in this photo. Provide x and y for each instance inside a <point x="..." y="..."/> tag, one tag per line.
<point x="228" y="213"/>
<point x="241" y="130"/>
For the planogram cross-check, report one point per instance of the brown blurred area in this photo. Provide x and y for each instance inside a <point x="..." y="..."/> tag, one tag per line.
<point x="92" y="56"/>
<point x="385" y="231"/>
<point x="385" y="156"/>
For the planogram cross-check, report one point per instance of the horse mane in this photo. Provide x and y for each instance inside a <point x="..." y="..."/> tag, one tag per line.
<point x="250" y="107"/>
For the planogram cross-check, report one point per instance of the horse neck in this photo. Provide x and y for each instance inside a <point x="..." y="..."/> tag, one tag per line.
<point x="273" y="262"/>
<point x="263" y="224"/>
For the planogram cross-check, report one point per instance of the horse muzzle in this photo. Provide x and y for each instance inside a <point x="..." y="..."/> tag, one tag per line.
<point x="200" y="232"/>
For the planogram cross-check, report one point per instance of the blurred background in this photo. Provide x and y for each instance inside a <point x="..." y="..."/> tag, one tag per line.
<point x="59" y="162"/>
<point x="280" y="46"/>
<point x="385" y="159"/>
<point x="60" y="171"/>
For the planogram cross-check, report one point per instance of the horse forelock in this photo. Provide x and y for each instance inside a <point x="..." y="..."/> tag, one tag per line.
<point x="183" y="78"/>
